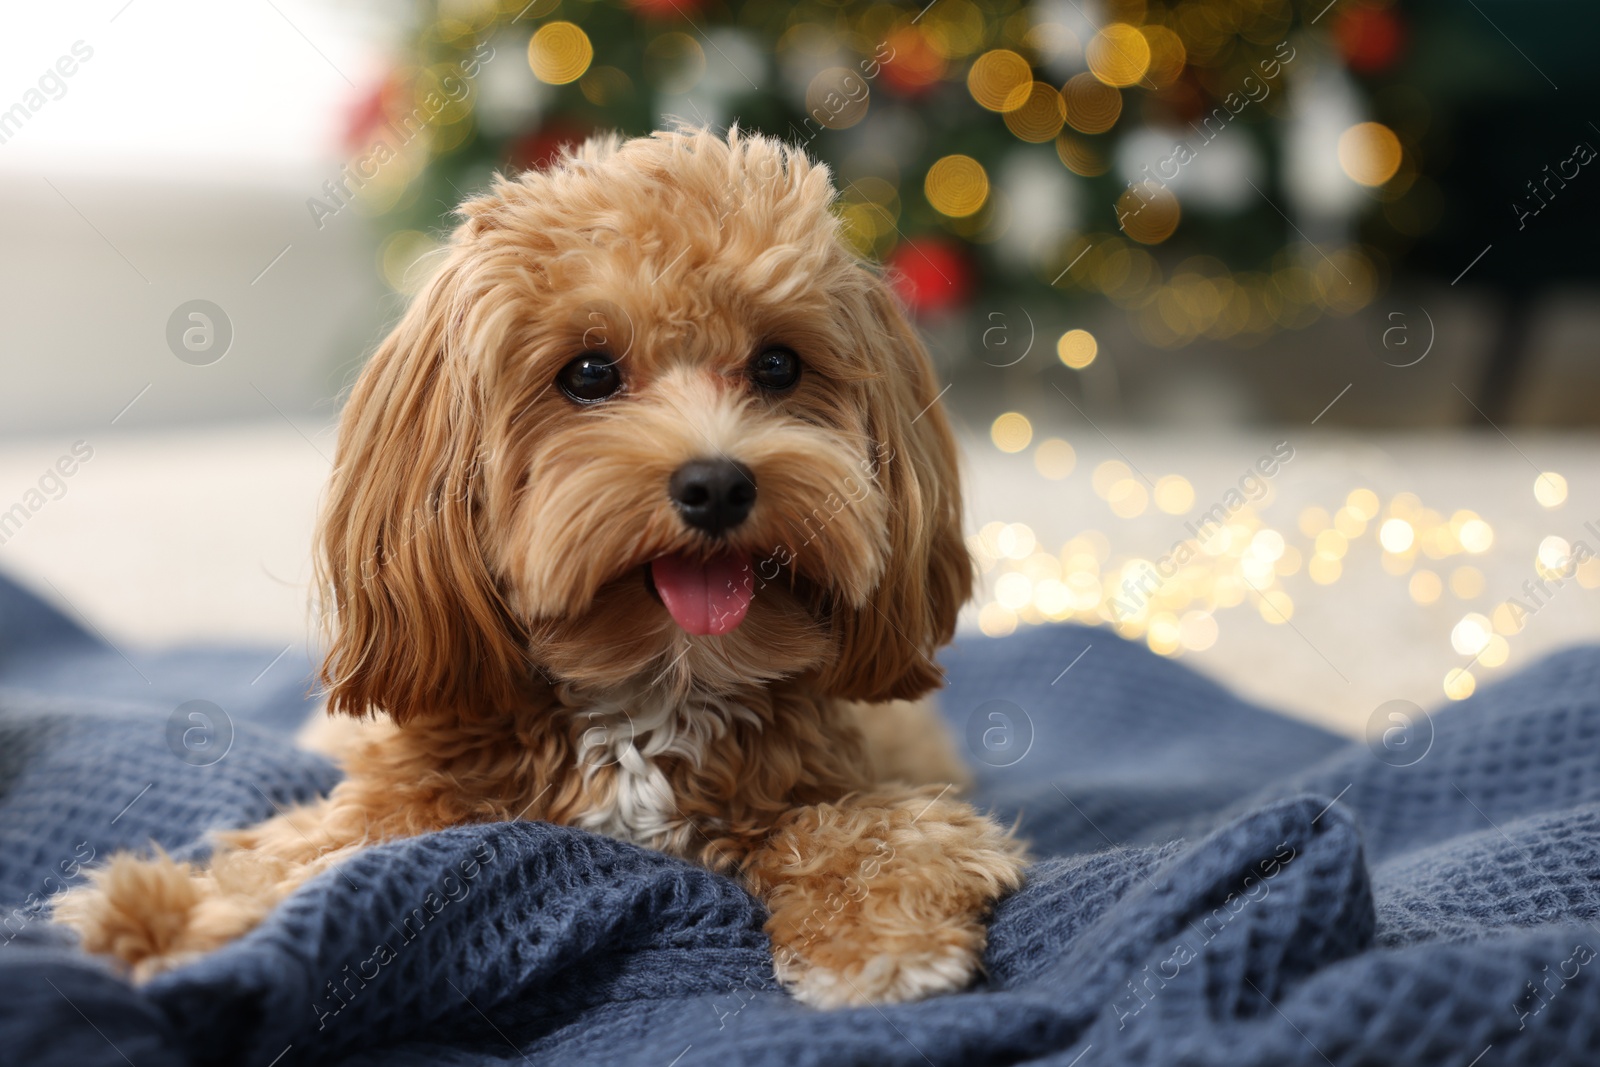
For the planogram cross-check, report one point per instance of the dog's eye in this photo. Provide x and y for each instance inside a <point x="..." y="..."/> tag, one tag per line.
<point x="590" y="378"/>
<point x="776" y="369"/>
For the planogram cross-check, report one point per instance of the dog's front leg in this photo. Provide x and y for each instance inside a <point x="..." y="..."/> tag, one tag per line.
<point x="882" y="897"/>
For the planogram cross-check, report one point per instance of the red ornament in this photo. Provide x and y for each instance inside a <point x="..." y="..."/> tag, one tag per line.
<point x="910" y="63"/>
<point x="1370" y="38"/>
<point x="930" y="274"/>
<point x="370" y="112"/>
<point x="539" y="148"/>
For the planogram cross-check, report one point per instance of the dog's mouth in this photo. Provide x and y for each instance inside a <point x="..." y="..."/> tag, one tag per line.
<point x="704" y="597"/>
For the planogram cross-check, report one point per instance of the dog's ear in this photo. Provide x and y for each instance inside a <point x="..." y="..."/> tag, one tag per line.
<point x="889" y="639"/>
<point x="417" y="622"/>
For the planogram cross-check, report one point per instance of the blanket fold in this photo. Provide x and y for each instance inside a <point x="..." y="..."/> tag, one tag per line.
<point x="1217" y="885"/>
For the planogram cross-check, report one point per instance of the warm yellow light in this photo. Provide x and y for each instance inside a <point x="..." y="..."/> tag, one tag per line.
<point x="1148" y="212"/>
<point x="1466" y="582"/>
<point x="997" y="620"/>
<point x="1164" y="631"/>
<point x="1555" y="554"/>
<point x="1174" y="494"/>
<point x="1349" y="522"/>
<point x="1459" y="684"/>
<point x="1000" y="80"/>
<point x="1471" y="634"/>
<point x="1077" y="348"/>
<point x="1118" y="55"/>
<point x="1053" y="599"/>
<point x="1016" y="540"/>
<point x="1324" y="570"/>
<point x="1550" y="489"/>
<point x="1331" y="544"/>
<point x="1197" y="631"/>
<point x="1276" y="607"/>
<point x="1476" y="536"/>
<point x="1011" y="432"/>
<point x="1267" y="545"/>
<point x="1080" y="157"/>
<point x="1013" y="590"/>
<point x="1509" y="620"/>
<point x="1108" y="474"/>
<point x="559" y="53"/>
<point x="1167" y="54"/>
<point x="1369" y="152"/>
<point x="1041" y="115"/>
<point x="1314" y="520"/>
<point x="1092" y="105"/>
<point x="1396" y="535"/>
<point x="1363" y="504"/>
<point x="1425" y="587"/>
<point x="1054" y="458"/>
<point x="1128" y="498"/>
<point x="956" y="186"/>
<point x="1496" y="652"/>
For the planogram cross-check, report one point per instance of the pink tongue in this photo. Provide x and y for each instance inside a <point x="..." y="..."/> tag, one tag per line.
<point x="705" y="598"/>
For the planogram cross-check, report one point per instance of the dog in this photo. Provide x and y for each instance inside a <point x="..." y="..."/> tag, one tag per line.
<point x="645" y="520"/>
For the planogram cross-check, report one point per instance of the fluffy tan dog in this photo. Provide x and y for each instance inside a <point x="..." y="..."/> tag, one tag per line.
<point x="641" y="512"/>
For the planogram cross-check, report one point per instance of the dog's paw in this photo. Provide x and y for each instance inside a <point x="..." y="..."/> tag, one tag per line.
<point x="848" y="974"/>
<point x="154" y="915"/>
<point x="135" y="910"/>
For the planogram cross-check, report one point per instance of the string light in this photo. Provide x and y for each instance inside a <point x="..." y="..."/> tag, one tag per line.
<point x="1174" y="606"/>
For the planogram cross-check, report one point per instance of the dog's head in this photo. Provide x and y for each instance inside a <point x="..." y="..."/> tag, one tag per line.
<point x="650" y="421"/>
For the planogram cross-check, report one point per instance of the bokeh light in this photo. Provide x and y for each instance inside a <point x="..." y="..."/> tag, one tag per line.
<point x="1459" y="684"/>
<point x="1425" y="587"/>
<point x="1041" y="115"/>
<point x="1128" y="498"/>
<point x="1118" y="55"/>
<point x="1011" y="432"/>
<point x="1471" y="634"/>
<point x="1174" y="495"/>
<point x="1466" y="582"/>
<point x="559" y="53"/>
<point x="1000" y="80"/>
<point x="1148" y="212"/>
<point x="1077" y="348"/>
<point x="1369" y="152"/>
<point x="1396" y="535"/>
<point x="1550" y="489"/>
<point x="956" y="186"/>
<point x="1092" y="105"/>
<point x="1054" y="458"/>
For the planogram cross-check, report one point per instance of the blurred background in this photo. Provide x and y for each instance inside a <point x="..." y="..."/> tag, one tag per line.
<point x="1269" y="326"/>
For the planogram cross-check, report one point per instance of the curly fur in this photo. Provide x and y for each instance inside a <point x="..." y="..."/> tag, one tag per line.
<point x="485" y="546"/>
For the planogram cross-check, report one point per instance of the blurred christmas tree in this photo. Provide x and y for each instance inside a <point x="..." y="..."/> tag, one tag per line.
<point x="985" y="149"/>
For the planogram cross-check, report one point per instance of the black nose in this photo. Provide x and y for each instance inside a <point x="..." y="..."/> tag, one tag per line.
<point x="713" y="495"/>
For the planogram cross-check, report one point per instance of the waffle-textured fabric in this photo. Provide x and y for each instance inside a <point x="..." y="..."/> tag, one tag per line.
<point x="1219" y="885"/>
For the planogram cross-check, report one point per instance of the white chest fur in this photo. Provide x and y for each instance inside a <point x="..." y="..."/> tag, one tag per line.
<point x="625" y="738"/>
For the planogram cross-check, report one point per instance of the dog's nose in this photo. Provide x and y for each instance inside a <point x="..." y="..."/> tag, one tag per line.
<point x="713" y="495"/>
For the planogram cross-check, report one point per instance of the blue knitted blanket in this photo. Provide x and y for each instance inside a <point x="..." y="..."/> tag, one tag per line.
<point x="1221" y="885"/>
